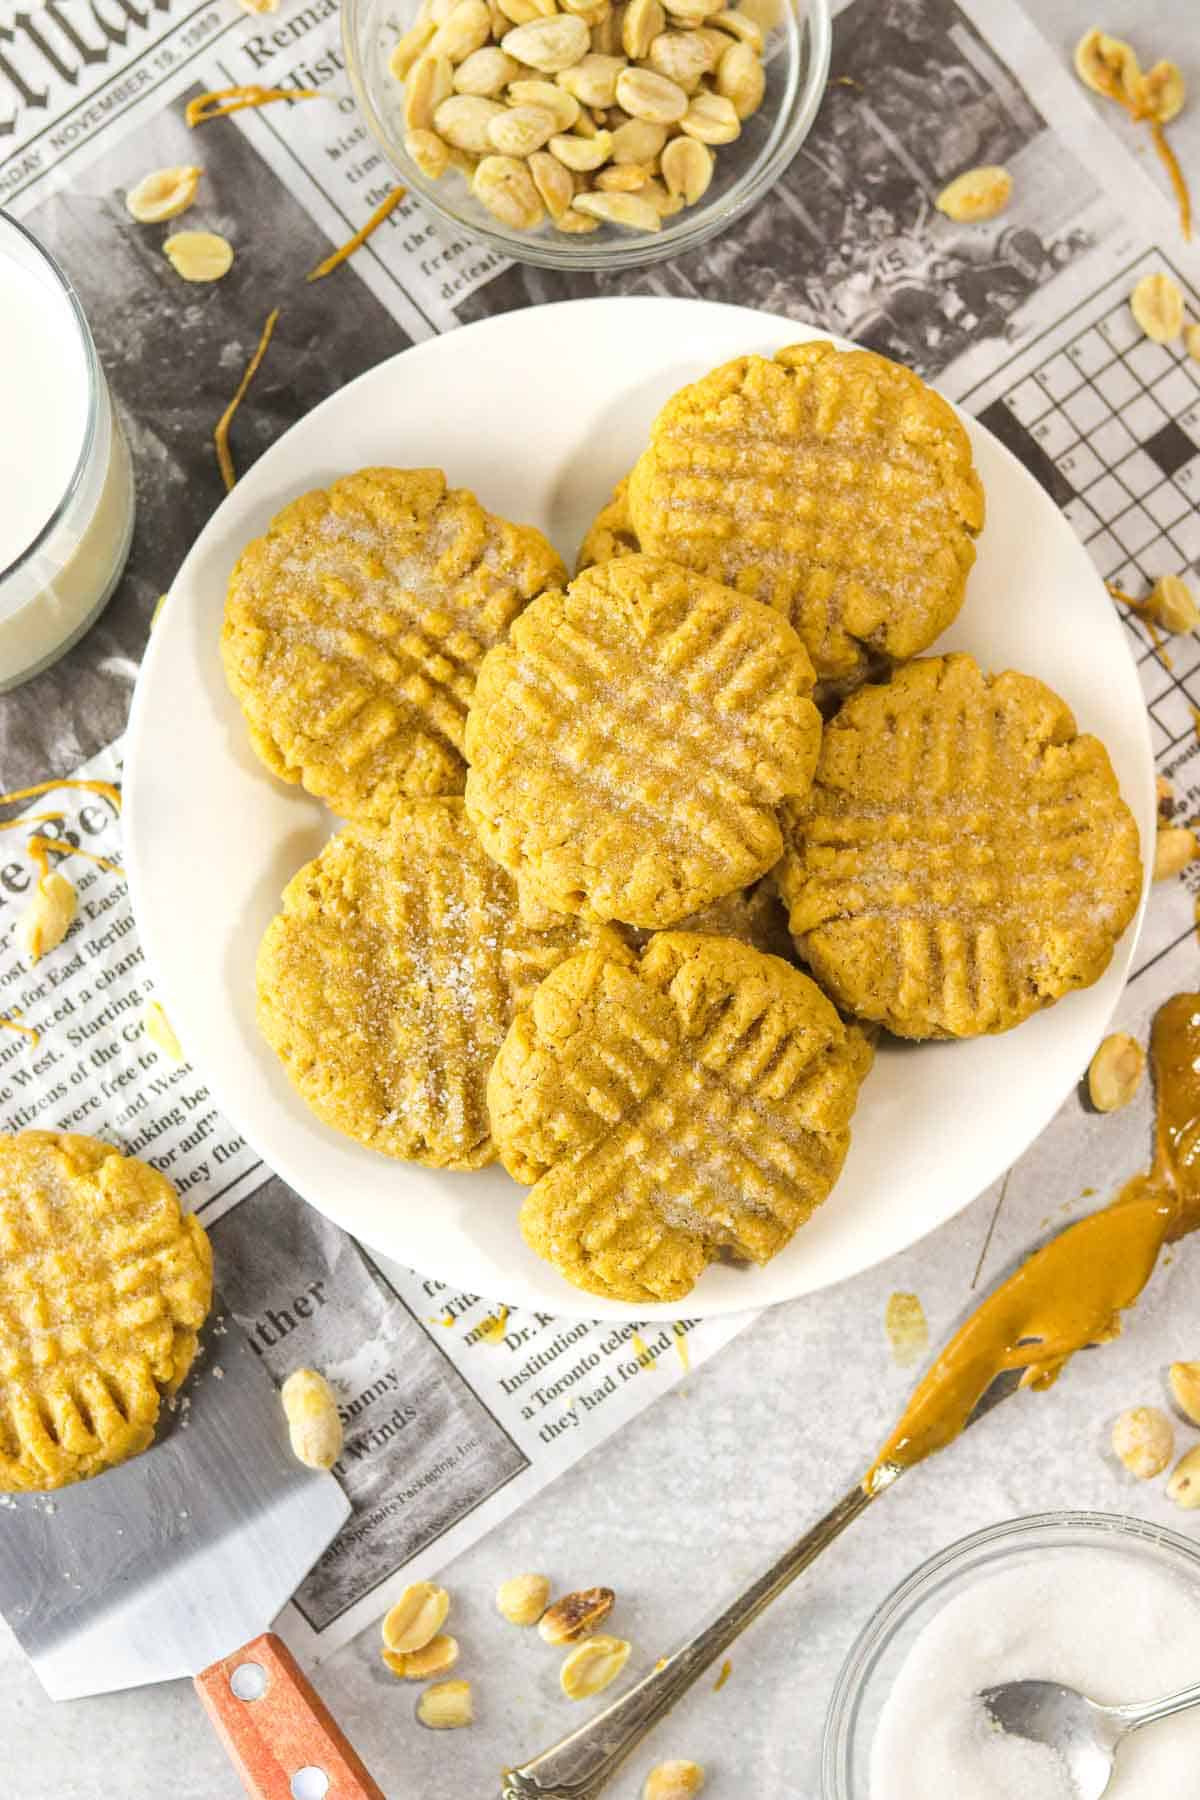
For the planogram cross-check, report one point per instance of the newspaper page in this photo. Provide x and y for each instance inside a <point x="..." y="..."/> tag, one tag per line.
<point x="455" y="1411"/>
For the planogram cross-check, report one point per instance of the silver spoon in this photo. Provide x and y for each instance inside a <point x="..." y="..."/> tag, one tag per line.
<point x="1084" y="1733"/>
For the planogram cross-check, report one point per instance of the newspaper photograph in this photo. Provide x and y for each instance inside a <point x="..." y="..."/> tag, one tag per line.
<point x="456" y="1410"/>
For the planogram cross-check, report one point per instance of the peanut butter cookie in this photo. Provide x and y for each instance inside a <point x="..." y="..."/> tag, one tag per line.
<point x="610" y="532"/>
<point x="354" y="629"/>
<point x="104" y="1285"/>
<point x="965" y="856"/>
<point x="690" y="1104"/>
<point x="631" y="740"/>
<point x="832" y="484"/>
<point x="387" y="982"/>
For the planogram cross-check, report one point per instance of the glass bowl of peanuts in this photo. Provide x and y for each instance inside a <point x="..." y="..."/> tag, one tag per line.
<point x="588" y="134"/>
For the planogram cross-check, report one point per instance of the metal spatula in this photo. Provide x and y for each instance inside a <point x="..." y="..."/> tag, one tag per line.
<point x="176" y="1563"/>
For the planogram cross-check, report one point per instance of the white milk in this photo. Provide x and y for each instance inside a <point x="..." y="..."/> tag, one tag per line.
<point x="1110" y="1623"/>
<point x="66" y="487"/>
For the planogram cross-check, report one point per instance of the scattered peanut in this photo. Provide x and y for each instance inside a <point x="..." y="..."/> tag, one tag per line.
<point x="592" y="1665"/>
<point x="45" y="922"/>
<point x="1184" y="1381"/>
<point x="164" y="194"/>
<point x="446" y="1706"/>
<point x="1172" y="604"/>
<point x="434" y="1658"/>
<point x="1115" y="1072"/>
<point x="1184" y="1486"/>
<point x="977" y="194"/>
<point x="523" y="1599"/>
<point x="673" y="1781"/>
<point x="1108" y="66"/>
<point x="416" y="1619"/>
<point x="314" y="1424"/>
<point x="575" y="1615"/>
<point x="1157" y="306"/>
<point x="1161" y="92"/>
<point x="1144" y="1440"/>
<point x="199" y="255"/>
<point x="1175" y="847"/>
<point x="160" y="1031"/>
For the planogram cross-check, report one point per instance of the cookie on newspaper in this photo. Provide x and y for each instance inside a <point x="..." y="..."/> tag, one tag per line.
<point x="831" y="483"/>
<point x="631" y="740"/>
<point x="354" y="628"/>
<point x="965" y="856"/>
<point x="690" y="1104"/>
<point x="387" y="982"/>
<point x="104" y="1285"/>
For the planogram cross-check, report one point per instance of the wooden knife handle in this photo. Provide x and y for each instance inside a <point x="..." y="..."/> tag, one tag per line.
<point x="277" y="1729"/>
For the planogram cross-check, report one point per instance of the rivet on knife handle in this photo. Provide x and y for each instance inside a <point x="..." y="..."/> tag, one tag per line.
<point x="580" y="1766"/>
<point x="278" y="1731"/>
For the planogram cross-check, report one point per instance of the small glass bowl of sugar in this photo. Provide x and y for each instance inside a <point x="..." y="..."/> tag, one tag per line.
<point x="1106" y="1604"/>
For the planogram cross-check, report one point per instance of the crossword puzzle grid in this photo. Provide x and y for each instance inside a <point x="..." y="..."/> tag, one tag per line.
<point x="1110" y="425"/>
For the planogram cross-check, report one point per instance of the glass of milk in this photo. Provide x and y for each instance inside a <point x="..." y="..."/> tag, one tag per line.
<point x="1108" y="1605"/>
<point x="66" y="483"/>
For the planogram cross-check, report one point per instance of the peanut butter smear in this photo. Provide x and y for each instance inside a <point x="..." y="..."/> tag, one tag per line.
<point x="1072" y="1292"/>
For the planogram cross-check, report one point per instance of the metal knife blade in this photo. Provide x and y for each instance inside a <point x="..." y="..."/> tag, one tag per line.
<point x="177" y="1558"/>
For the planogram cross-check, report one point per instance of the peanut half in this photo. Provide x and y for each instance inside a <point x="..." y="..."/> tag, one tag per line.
<point x="1183" y="1379"/>
<point x="1157" y="305"/>
<point x="1115" y="1072"/>
<point x="163" y="194"/>
<point x="592" y="1665"/>
<point x="1174" y="848"/>
<point x="1172" y="604"/>
<point x="446" y="1706"/>
<point x="673" y="1781"/>
<point x="46" y="920"/>
<point x="1184" y="1486"/>
<point x="416" y="1618"/>
<point x="575" y="1615"/>
<point x="314" y="1424"/>
<point x="433" y="1658"/>
<point x="1144" y="1440"/>
<point x="199" y="255"/>
<point x="977" y="194"/>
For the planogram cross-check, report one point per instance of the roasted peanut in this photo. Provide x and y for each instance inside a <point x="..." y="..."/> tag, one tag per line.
<point x="486" y="71"/>
<point x="160" y="1031"/>
<point x="976" y="194"/>
<point x="521" y="130"/>
<point x="199" y="255"/>
<point x="430" y="83"/>
<point x="1144" y="1440"/>
<point x="681" y="57"/>
<point x="314" y="1424"/>
<point x="645" y="95"/>
<point x="576" y="1614"/>
<point x="44" y="923"/>
<point x="580" y="153"/>
<point x="412" y="45"/>
<point x="430" y="153"/>
<point x="593" y="80"/>
<point x="643" y="21"/>
<point x="434" y="1658"/>
<point x="1184" y="1381"/>
<point x="549" y="44"/>
<point x="164" y="194"/>
<point x="625" y="178"/>
<point x="416" y="1619"/>
<point x="548" y="94"/>
<point x="505" y="186"/>
<point x="738" y="23"/>
<point x="712" y="119"/>
<point x="523" y="1599"/>
<point x="466" y="29"/>
<point x="446" y="1706"/>
<point x="1115" y="1072"/>
<point x="1184" y="1486"/>
<point x="638" y="141"/>
<point x="1161" y="92"/>
<point x="633" y="210"/>
<point x="1172" y="604"/>
<point x="1108" y="66"/>
<point x="673" y="1781"/>
<point x="554" y="182"/>
<point x="1157" y="305"/>
<point x="1174" y="848"/>
<point x="687" y="168"/>
<point x="740" y="78"/>
<point x="592" y="1665"/>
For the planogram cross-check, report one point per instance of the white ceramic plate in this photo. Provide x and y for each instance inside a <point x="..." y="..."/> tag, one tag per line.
<point x="541" y="411"/>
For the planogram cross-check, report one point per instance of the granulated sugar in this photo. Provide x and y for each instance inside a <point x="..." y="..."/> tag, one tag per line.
<point x="1107" y="1622"/>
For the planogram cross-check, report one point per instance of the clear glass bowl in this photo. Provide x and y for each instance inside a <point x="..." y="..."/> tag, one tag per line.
<point x="876" y="1657"/>
<point x="797" y="67"/>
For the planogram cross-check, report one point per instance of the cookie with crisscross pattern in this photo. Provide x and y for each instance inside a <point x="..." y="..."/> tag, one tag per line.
<point x="832" y="484"/>
<point x="690" y="1104"/>
<point x="610" y="533"/>
<point x="355" y="626"/>
<point x="388" y="980"/>
<point x="104" y="1285"/>
<point x="965" y="856"/>
<point x="630" y="742"/>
